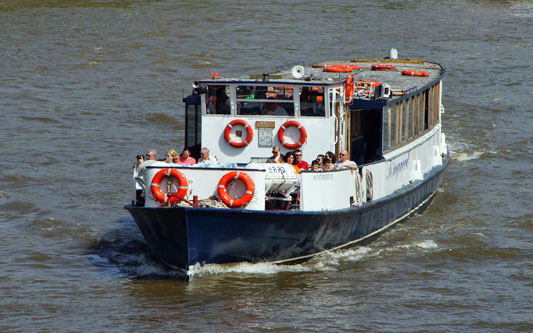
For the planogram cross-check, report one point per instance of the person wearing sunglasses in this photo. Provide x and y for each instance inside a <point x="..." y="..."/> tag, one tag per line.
<point x="298" y="160"/>
<point x="151" y="155"/>
<point x="276" y="156"/>
<point x="344" y="161"/>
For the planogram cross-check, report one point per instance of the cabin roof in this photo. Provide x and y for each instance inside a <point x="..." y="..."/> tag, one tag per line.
<point x="315" y="74"/>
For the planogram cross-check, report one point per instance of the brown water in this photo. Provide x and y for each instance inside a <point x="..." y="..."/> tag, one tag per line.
<point x="87" y="85"/>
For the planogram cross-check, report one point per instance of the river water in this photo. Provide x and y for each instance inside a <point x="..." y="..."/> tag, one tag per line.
<point x="86" y="85"/>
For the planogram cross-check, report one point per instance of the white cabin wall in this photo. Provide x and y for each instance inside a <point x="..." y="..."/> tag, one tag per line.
<point x="407" y="164"/>
<point x="319" y="140"/>
<point x="327" y="190"/>
<point x="203" y="182"/>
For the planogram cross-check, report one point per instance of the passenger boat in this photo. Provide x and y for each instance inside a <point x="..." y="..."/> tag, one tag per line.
<point x="385" y="112"/>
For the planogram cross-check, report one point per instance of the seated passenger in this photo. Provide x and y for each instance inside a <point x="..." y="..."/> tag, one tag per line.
<point x="186" y="158"/>
<point x="320" y="160"/>
<point x="171" y="156"/>
<point x="331" y="156"/>
<point x="151" y="155"/>
<point x="205" y="159"/>
<point x="276" y="156"/>
<point x="344" y="162"/>
<point x="274" y="109"/>
<point x="315" y="166"/>
<point x="298" y="160"/>
<point x="289" y="157"/>
<point x="327" y="165"/>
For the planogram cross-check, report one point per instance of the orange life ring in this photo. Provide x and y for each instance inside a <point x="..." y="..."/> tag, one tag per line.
<point x="341" y="68"/>
<point x="248" y="194"/>
<point x="348" y="90"/>
<point x="249" y="133"/>
<point x="281" y="134"/>
<point x="156" y="186"/>
<point x="415" y="73"/>
<point x="383" y="67"/>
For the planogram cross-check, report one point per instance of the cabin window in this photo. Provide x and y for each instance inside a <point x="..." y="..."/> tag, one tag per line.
<point x="217" y="99"/>
<point x="265" y="100"/>
<point x="312" y="102"/>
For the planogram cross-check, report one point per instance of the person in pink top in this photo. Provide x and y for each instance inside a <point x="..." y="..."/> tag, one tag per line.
<point x="298" y="160"/>
<point x="185" y="157"/>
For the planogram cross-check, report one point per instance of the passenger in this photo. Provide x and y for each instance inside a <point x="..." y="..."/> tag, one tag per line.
<point x="186" y="158"/>
<point x="315" y="166"/>
<point x="276" y="156"/>
<point x="171" y="156"/>
<point x="289" y="157"/>
<point x="327" y="165"/>
<point x="140" y="160"/>
<point x="330" y="156"/>
<point x="273" y="109"/>
<point x="151" y="155"/>
<point x="344" y="162"/>
<point x="320" y="159"/>
<point x="205" y="159"/>
<point x="298" y="155"/>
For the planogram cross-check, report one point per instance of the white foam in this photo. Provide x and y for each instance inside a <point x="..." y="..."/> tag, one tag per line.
<point x="327" y="261"/>
<point x="462" y="156"/>
<point x="427" y="244"/>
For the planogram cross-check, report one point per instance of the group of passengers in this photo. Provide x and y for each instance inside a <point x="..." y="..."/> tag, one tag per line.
<point x="323" y="162"/>
<point x="185" y="158"/>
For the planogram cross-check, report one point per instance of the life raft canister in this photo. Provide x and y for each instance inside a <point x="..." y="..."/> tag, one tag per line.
<point x="156" y="186"/>
<point x="281" y="134"/>
<point x="383" y="67"/>
<point x="341" y="68"/>
<point x="249" y="133"/>
<point x="348" y="90"/>
<point x="236" y="202"/>
<point x="415" y="73"/>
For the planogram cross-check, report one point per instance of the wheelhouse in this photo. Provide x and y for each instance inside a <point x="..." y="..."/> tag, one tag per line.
<point x="382" y="112"/>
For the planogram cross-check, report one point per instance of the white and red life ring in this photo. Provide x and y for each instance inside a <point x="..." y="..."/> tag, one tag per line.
<point x="415" y="73"/>
<point x="281" y="134"/>
<point x="348" y="89"/>
<point x="174" y="197"/>
<point x="249" y="133"/>
<point x="236" y="202"/>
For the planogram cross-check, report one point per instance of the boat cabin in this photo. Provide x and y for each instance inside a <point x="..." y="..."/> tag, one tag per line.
<point x="318" y="108"/>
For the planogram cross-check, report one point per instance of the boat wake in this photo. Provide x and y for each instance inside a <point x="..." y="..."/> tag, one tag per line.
<point x="123" y="252"/>
<point x="328" y="261"/>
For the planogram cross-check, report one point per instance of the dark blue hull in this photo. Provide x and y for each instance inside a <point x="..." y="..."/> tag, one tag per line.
<point x="182" y="236"/>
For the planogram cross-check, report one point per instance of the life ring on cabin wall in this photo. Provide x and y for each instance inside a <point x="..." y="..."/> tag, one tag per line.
<point x="415" y="73"/>
<point x="249" y="133"/>
<point x="281" y="134"/>
<point x="174" y="196"/>
<point x="236" y="202"/>
<point x="348" y="89"/>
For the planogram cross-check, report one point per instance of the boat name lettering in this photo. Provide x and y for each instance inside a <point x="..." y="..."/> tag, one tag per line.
<point x="396" y="168"/>
<point x="323" y="177"/>
<point x="277" y="169"/>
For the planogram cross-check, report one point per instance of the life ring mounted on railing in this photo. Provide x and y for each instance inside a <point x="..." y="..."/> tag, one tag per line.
<point x="170" y="197"/>
<point x="249" y="133"/>
<point x="348" y="89"/>
<point x="223" y="192"/>
<point x="281" y="134"/>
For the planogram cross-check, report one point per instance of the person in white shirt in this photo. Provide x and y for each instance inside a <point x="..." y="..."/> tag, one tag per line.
<point x="344" y="162"/>
<point x="205" y="158"/>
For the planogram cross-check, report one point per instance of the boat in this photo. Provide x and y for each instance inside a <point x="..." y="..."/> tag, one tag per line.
<point x="385" y="112"/>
